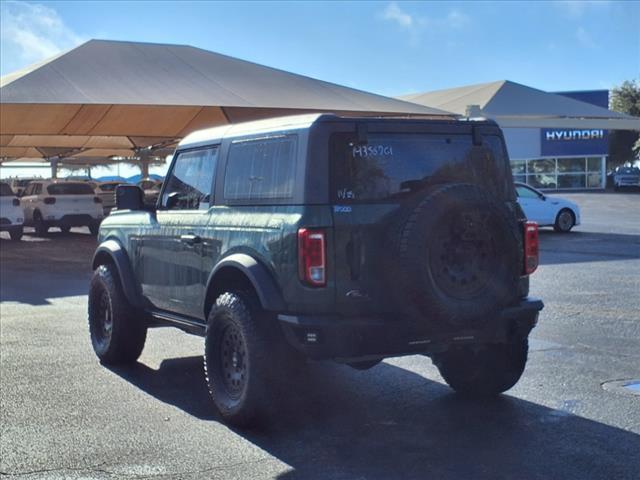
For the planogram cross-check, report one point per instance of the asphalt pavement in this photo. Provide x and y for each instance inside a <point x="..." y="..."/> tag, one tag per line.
<point x="63" y="415"/>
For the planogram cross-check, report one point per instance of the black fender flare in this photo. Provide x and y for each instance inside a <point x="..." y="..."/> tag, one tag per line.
<point x="259" y="276"/>
<point x="112" y="251"/>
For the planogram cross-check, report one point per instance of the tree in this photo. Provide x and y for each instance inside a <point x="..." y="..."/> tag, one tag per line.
<point x="626" y="98"/>
<point x="623" y="143"/>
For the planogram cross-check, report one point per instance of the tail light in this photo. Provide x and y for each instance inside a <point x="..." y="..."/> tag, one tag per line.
<point x="49" y="200"/>
<point x="312" y="257"/>
<point x="97" y="200"/>
<point x="531" y="244"/>
<point x="16" y="202"/>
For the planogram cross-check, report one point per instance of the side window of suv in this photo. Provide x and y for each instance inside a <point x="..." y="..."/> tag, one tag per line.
<point x="28" y="190"/>
<point x="263" y="168"/>
<point x="190" y="181"/>
<point x="37" y="189"/>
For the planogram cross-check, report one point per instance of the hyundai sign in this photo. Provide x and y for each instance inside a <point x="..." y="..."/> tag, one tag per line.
<point x="574" y="142"/>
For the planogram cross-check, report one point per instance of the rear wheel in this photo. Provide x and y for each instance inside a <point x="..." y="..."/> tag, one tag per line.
<point x="238" y="358"/>
<point x="117" y="330"/>
<point x="39" y="224"/>
<point x="484" y="370"/>
<point x="16" y="233"/>
<point x="565" y="221"/>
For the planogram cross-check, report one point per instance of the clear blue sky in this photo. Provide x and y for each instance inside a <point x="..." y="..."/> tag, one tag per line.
<point x="389" y="48"/>
<point x="385" y="47"/>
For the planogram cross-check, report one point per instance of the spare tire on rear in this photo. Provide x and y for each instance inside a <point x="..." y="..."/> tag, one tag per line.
<point x="457" y="259"/>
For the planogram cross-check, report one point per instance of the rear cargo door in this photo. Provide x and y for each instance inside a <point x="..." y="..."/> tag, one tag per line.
<point x="376" y="183"/>
<point x="73" y="198"/>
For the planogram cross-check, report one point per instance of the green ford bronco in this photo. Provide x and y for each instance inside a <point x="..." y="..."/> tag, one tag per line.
<point x="322" y="237"/>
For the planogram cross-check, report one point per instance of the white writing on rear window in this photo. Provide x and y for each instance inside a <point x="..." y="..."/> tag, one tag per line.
<point x="372" y="151"/>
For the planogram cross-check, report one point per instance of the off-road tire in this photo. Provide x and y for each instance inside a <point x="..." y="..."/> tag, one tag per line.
<point x="118" y="330"/>
<point x="483" y="370"/>
<point x="457" y="258"/>
<point x="39" y="224"/>
<point x="562" y="223"/>
<point x="239" y="358"/>
<point x="16" y="233"/>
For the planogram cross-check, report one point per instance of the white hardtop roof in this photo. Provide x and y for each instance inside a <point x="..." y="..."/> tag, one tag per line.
<point x="292" y="122"/>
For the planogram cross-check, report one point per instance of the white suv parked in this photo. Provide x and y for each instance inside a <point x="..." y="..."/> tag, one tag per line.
<point x="60" y="203"/>
<point x="107" y="192"/>
<point x="11" y="215"/>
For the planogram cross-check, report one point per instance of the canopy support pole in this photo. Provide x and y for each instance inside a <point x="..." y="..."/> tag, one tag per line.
<point x="144" y="167"/>
<point x="54" y="167"/>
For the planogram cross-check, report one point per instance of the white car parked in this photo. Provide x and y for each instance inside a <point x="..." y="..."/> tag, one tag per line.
<point x="19" y="184"/>
<point x="11" y="215"/>
<point x="107" y="193"/>
<point x="60" y="203"/>
<point x="554" y="212"/>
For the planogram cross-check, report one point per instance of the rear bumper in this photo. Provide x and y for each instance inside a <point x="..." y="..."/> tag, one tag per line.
<point x="349" y="338"/>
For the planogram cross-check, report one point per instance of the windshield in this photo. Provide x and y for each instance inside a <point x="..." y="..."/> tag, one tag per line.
<point x="629" y="170"/>
<point x="5" y="190"/>
<point x="395" y="165"/>
<point x="70" y="189"/>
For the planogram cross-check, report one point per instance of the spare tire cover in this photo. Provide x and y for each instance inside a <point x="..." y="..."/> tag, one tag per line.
<point x="457" y="259"/>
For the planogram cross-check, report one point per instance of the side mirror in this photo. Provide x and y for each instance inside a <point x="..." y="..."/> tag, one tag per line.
<point x="129" y="197"/>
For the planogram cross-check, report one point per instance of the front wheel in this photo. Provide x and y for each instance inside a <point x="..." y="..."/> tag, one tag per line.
<point x="39" y="224"/>
<point x="484" y="370"/>
<point x="16" y="233"/>
<point x="117" y="330"/>
<point x="565" y="221"/>
<point x="238" y="358"/>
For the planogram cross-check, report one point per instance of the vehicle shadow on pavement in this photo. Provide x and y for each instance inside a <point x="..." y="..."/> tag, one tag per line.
<point x="388" y="422"/>
<point x="579" y="247"/>
<point x="38" y="269"/>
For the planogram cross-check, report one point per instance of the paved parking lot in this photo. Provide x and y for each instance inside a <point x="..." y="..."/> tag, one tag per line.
<point x="64" y="416"/>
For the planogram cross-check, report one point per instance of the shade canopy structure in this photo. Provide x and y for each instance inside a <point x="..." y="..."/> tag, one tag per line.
<point x="514" y="105"/>
<point x="107" y="99"/>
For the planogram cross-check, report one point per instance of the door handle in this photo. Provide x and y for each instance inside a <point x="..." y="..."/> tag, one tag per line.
<point x="190" y="239"/>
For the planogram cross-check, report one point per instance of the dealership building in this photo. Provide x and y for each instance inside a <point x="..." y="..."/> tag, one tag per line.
<point x="555" y="140"/>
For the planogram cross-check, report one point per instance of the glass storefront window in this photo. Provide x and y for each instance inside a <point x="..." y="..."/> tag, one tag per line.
<point x="518" y="166"/>
<point x="594" y="180"/>
<point x="576" y="165"/>
<point x="520" y="178"/>
<point x="542" y="181"/>
<point x="541" y="165"/>
<point x="572" y="180"/>
<point x="594" y="164"/>
<point x="559" y="173"/>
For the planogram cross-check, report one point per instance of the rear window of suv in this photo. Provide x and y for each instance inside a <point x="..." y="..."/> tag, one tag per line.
<point x="395" y="165"/>
<point x="70" y="189"/>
